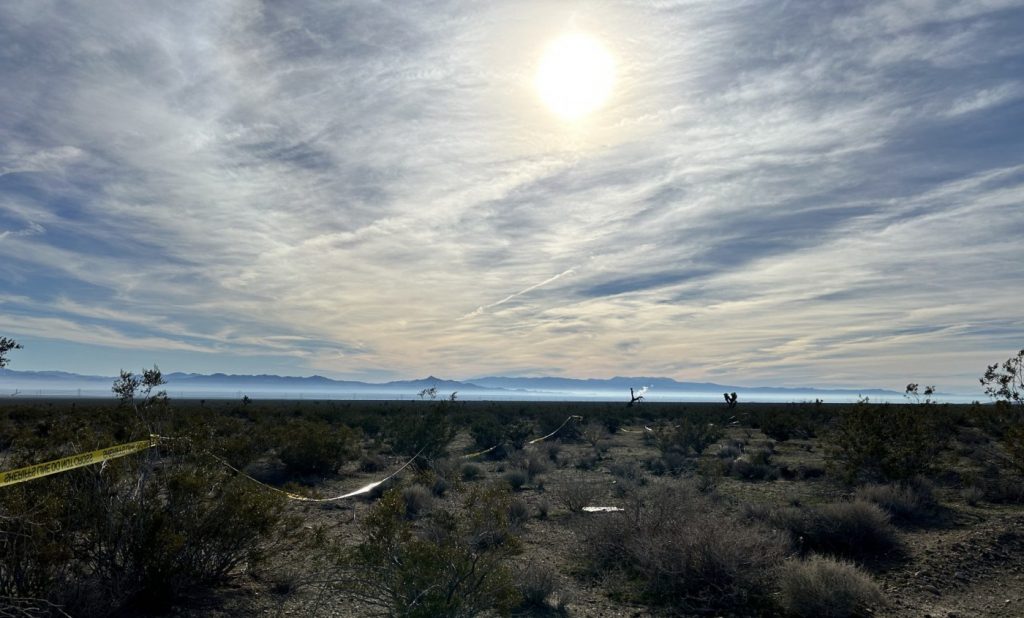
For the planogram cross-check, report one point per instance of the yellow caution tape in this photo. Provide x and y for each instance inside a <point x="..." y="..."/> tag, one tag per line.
<point x="479" y="453"/>
<point x="81" y="460"/>
<point x="74" y="461"/>
<point x="574" y="417"/>
<point x="365" y="489"/>
<point x="534" y="441"/>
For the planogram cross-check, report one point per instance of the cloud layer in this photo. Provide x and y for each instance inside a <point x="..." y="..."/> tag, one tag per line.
<point x="826" y="194"/>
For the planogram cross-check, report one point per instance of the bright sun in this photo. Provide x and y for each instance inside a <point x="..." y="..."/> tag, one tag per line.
<point x="575" y="76"/>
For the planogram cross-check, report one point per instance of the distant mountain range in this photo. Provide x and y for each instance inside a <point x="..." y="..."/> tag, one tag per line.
<point x="29" y="383"/>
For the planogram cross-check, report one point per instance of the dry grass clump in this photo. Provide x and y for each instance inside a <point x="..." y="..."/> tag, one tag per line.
<point x="417" y="500"/>
<point x="671" y="548"/>
<point x="854" y="529"/>
<point x="823" y="587"/>
<point x="911" y="502"/>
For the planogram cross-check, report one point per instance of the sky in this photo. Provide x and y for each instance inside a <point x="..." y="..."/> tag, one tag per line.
<point x="782" y="193"/>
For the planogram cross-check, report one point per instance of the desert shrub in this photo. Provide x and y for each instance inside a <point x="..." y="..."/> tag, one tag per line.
<point x="447" y="468"/>
<point x="518" y="513"/>
<point x="457" y="570"/>
<point x="972" y="494"/>
<point x="372" y="463"/>
<point x="543" y="508"/>
<point x="784" y="424"/>
<point x="1013" y="445"/>
<point x="517" y="434"/>
<point x="588" y="462"/>
<point x="537" y="585"/>
<point x="887" y="443"/>
<point x="1001" y="490"/>
<point x="534" y="465"/>
<point x="416" y="500"/>
<point x="135" y="534"/>
<point x="577" y="492"/>
<point x="439" y="486"/>
<point x="746" y="470"/>
<point x="551" y="450"/>
<point x="471" y="472"/>
<point x="689" y="436"/>
<point x="672" y="549"/>
<point x="309" y="447"/>
<point x="656" y="466"/>
<point x="823" y="587"/>
<point x="849" y="529"/>
<point x="754" y="465"/>
<point x="729" y="451"/>
<point x="804" y="472"/>
<point x="612" y="424"/>
<point x="709" y="474"/>
<point x="427" y="433"/>
<point x="628" y="471"/>
<point x="595" y="435"/>
<point x="517" y="478"/>
<point x="551" y="420"/>
<point x="487" y="433"/>
<point x="908" y="502"/>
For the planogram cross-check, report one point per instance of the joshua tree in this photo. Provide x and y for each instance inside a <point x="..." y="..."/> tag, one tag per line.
<point x="634" y="398"/>
<point x="730" y="399"/>
<point x="914" y="394"/>
<point x="1006" y="382"/>
<point x="6" y="345"/>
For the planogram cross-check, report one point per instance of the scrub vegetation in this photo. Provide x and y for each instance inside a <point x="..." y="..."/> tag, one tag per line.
<point x="806" y="509"/>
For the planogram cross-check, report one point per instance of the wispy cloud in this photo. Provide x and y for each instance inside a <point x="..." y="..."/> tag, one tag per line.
<point x="533" y="287"/>
<point x="782" y="193"/>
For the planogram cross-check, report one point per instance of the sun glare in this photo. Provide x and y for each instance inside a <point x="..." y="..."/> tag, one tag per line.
<point x="575" y="76"/>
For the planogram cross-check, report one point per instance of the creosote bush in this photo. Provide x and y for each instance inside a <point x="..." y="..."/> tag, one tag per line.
<point x="577" y="492"/>
<point x="425" y="432"/>
<point x="456" y="567"/>
<point x="823" y="587"/>
<point x="310" y="447"/>
<point x="880" y="443"/>
<point x="133" y="534"/>
<point x="689" y="436"/>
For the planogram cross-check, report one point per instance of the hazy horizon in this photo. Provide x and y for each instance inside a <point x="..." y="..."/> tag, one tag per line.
<point x="742" y="193"/>
<point x="496" y="388"/>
